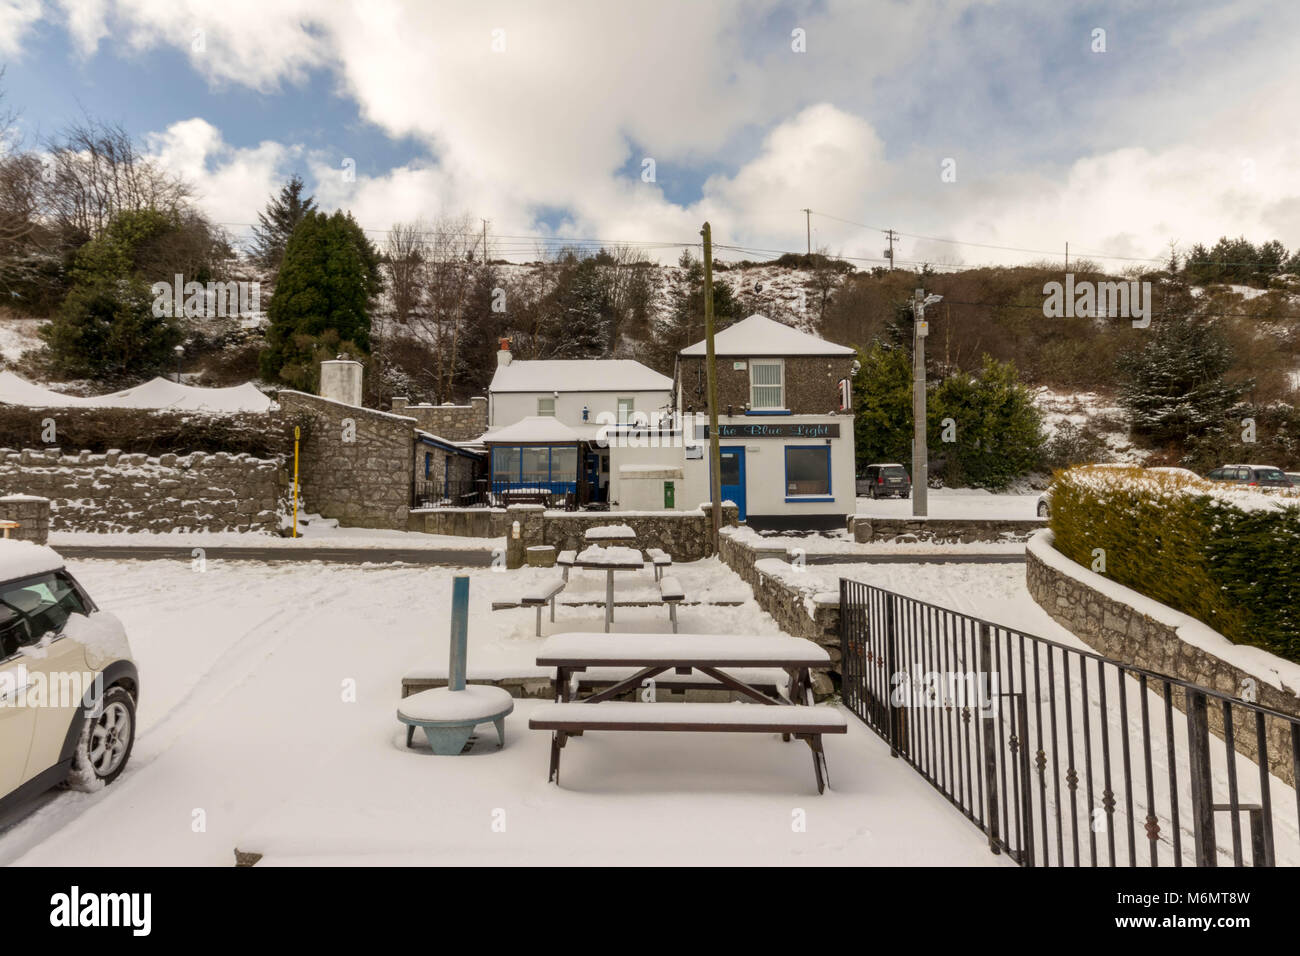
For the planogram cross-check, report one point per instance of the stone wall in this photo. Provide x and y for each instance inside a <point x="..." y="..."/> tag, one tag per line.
<point x="800" y="612"/>
<point x="120" y="492"/>
<point x="463" y="522"/>
<point x="811" y="383"/>
<point x="1118" y="630"/>
<point x="686" y="535"/>
<point x="355" y="464"/>
<point x="31" y="513"/>
<point x="866" y="528"/>
<point x="451" y="422"/>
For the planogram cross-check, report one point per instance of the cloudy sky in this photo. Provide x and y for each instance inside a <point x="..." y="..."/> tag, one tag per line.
<point x="1117" y="126"/>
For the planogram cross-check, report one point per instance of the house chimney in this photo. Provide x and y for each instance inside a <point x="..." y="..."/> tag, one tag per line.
<point x="340" y="380"/>
<point x="503" y="356"/>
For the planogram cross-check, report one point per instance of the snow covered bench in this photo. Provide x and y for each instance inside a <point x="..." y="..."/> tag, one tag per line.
<point x="771" y="681"/>
<point x="671" y="593"/>
<point x="646" y="656"/>
<point x="661" y="560"/>
<point x="565" y="560"/>
<point x="802" y="722"/>
<point x="542" y="595"/>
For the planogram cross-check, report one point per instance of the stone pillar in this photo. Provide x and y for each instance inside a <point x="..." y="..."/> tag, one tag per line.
<point x="399" y="405"/>
<point x="531" y="525"/>
<point x="480" y="405"/>
<point x="31" y="513"/>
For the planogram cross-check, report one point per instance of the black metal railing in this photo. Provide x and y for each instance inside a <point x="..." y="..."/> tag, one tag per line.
<point x="481" y="493"/>
<point x="1064" y="757"/>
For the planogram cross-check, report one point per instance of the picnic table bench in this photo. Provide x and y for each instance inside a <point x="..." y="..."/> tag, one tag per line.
<point x="541" y="595"/>
<point x="609" y="560"/>
<point x="649" y="655"/>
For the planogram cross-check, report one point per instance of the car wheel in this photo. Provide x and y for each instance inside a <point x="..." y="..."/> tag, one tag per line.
<point x="871" y="492"/>
<point x="105" y="743"/>
<point x="1042" y="509"/>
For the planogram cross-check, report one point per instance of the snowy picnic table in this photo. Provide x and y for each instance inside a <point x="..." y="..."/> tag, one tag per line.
<point x="648" y="655"/>
<point x="609" y="560"/>
<point x="610" y="532"/>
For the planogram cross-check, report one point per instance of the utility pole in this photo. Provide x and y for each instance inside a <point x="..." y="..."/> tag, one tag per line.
<point x="892" y="236"/>
<point x="807" y="213"/>
<point x="1067" y="255"/>
<point x="485" y="255"/>
<point x="920" y="453"/>
<point x="711" y="362"/>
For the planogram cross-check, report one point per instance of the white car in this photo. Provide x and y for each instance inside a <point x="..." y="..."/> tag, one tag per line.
<point x="68" y="685"/>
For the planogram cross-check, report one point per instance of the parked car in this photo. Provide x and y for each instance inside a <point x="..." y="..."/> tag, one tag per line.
<point x="68" y="684"/>
<point x="884" y="480"/>
<point x="1295" y="478"/>
<point x="1261" y="476"/>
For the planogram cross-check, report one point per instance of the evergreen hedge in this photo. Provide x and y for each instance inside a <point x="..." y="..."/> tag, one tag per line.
<point x="1225" y="556"/>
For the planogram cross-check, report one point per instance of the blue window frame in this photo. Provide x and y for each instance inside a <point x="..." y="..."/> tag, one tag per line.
<point x="551" y="467"/>
<point x="808" y="473"/>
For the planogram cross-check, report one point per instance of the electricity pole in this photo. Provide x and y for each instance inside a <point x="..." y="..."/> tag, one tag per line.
<point x="711" y="362"/>
<point x="807" y="214"/>
<point x="485" y="256"/>
<point x="891" y="236"/>
<point x="920" y="454"/>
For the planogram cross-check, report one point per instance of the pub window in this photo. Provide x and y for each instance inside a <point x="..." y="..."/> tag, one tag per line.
<point x="807" y="470"/>
<point x="546" y="407"/>
<point x="766" y="383"/>
<point x="625" y="408"/>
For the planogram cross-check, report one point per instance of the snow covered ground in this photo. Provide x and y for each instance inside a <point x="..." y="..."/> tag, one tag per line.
<point x="245" y="723"/>
<point x="955" y="503"/>
<point x="310" y="536"/>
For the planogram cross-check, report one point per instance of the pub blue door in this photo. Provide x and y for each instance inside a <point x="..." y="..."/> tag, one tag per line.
<point x="733" y="476"/>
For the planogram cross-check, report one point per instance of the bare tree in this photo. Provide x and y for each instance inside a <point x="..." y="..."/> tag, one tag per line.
<point x="97" y="173"/>
<point x="449" y="243"/>
<point x="403" y="265"/>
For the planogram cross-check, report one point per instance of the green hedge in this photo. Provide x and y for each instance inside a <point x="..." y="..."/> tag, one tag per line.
<point x="1225" y="556"/>
<point x="151" y="432"/>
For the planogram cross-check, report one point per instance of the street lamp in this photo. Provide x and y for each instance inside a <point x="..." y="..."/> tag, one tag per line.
<point x="920" y="454"/>
<point x="179" y="350"/>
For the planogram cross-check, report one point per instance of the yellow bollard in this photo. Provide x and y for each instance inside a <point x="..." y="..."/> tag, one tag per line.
<point x="297" y="433"/>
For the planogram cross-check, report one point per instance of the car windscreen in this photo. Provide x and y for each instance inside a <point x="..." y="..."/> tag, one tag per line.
<point x="40" y="605"/>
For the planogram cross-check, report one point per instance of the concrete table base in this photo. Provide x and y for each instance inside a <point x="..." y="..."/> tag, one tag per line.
<point x="449" y="717"/>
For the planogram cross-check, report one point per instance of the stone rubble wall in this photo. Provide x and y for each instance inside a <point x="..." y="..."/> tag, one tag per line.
<point x="116" y="492"/>
<point x="867" y="528"/>
<point x="32" y="514"/>
<point x="1121" y="632"/>
<point x="788" y="605"/>
<point x="451" y="422"/>
<point x="355" y="464"/>
<point x="462" y="522"/>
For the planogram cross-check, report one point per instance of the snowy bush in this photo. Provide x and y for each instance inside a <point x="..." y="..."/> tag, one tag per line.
<point x="1227" y="556"/>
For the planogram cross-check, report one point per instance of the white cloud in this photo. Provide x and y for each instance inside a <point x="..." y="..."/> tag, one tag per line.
<point x="16" y="18"/>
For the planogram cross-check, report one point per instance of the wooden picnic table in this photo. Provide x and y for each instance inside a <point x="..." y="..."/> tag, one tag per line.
<point x="609" y="560"/>
<point x="652" y="654"/>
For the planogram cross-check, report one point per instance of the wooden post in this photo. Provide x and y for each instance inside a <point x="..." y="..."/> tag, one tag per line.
<point x="460" y="632"/>
<point x="715" y="456"/>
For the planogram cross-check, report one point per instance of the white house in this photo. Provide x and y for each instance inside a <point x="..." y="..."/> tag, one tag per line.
<point x="785" y="425"/>
<point x="581" y="395"/>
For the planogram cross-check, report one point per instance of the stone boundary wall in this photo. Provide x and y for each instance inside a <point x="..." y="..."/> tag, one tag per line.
<point x="450" y="422"/>
<point x="462" y="522"/>
<point x="355" y="464"/>
<point x="118" y="492"/>
<point x="1117" y="629"/>
<point x="867" y="528"/>
<point x="31" y="513"/>
<point x="798" y="612"/>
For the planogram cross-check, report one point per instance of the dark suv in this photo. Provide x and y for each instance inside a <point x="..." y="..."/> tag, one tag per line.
<point x="1263" y="476"/>
<point x="880" y="481"/>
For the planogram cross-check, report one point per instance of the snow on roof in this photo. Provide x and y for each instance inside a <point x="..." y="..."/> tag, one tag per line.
<point x="19" y="559"/>
<point x="534" y="428"/>
<point x="156" y="393"/>
<point x="759" y="335"/>
<point x="578" y="375"/>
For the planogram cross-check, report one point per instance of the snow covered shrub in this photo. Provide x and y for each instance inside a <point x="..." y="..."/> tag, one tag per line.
<point x="1226" y="556"/>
